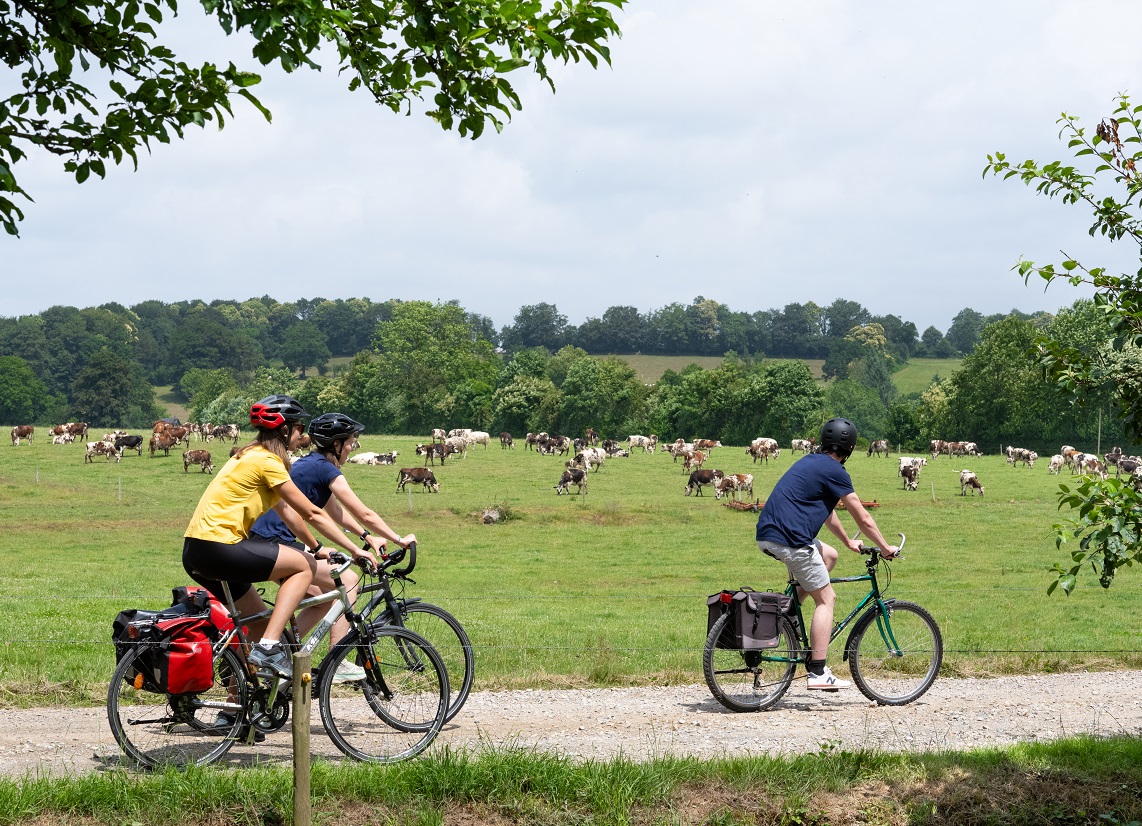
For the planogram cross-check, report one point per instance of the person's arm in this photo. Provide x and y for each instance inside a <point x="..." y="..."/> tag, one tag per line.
<point x="866" y="524"/>
<point x="295" y="524"/>
<point x="315" y="516"/>
<point x="357" y="513"/>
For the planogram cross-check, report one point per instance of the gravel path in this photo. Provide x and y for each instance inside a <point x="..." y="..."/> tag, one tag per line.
<point x="645" y="722"/>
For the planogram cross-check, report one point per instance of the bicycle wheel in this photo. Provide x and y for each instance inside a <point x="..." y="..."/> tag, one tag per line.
<point x="451" y="642"/>
<point x="750" y="680"/>
<point x="894" y="677"/>
<point x="175" y="729"/>
<point x="398" y="709"/>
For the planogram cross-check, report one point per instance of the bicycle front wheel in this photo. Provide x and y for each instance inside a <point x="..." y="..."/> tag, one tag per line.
<point x="750" y="680"/>
<point x="451" y="642"/>
<point x="895" y="662"/>
<point x="157" y="730"/>
<point x="397" y="709"/>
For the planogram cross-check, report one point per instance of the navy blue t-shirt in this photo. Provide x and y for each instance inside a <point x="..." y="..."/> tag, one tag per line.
<point x="802" y="500"/>
<point x="313" y="474"/>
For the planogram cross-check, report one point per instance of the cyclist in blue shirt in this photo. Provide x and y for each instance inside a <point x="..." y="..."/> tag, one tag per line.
<point x="803" y="501"/>
<point x="318" y="475"/>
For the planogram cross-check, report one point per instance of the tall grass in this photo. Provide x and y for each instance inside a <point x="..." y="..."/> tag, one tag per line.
<point x="603" y="589"/>
<point x="1075" y="781"/>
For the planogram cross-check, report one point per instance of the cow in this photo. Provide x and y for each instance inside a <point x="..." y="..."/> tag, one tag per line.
<point x="62" y="439"/>
<point x="911" y="461"/>
<point x="611" y="445"/>
<point x="706" y="444"/>
<point x="1091" y="464"/>
<point x="572" y="476"/>
<point x="459" y="431"/>
<point x="417" y="476"/>
<point x="693" y="459"/>
<point x="1114" y="457"/>
<point x="76" y="429"/>
<point x="647" y="443"/>
<point x="162" y="442"/>
<point x="619" y="452"/>
<point x="557" y="444"/>
<point x="734" y="484"/>
<point x="125" y="442"/>
<point x="878" y="446"/>
<point x="197" y="457"/>
<point x="969" y="480"/>
<point x="367" y="458"/>
<point x="531" y="439"/>
<point x="936" y="447"/>
<point x="801" y="446"/>
<point x="439" y="434"/>
<point x="760" y="451"/>
<point x="700" y="478"/>
<point x="22" y="431"/>
<point x="478" y="437"/>
<point x="679" y="448"/>
<point x="432" y="451"/>
<point x="101" y="448"/>
<point x="1015" y="455"/>
<point x="506" y="441"/>
<point x="1056" y="464"/>
<point x="592" y="436"/>
<point x="963" y="449"/>
<point x="1129" y="466"/>
<point x="589" y="456"/>
<point x="457" y="444"/>
<point x="911" y="474"/>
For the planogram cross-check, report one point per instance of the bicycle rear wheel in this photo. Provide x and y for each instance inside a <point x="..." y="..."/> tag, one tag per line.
<point x="451" y="642"/>
<point x="398" y="709"/>
<point x="894" y="676"/>
<point x="750" y="680"/>
<point x="157" y="730"/>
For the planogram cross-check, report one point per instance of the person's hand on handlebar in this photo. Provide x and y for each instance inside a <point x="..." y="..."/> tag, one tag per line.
<point x="405" y="541"/>
<point x="364" y="555"/>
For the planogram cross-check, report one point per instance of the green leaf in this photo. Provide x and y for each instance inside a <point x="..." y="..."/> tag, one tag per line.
<point x="257" y="104"/>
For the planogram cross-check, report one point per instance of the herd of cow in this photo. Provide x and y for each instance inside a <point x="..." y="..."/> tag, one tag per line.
<point x="164" y="437"/>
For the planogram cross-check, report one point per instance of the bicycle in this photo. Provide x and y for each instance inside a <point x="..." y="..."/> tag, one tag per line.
<point x="430" y="621"/>
<point x="894" y="650"/>
<point x="405" y="693"/>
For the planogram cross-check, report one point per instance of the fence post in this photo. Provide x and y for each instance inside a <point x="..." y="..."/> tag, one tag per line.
<point x="302" y="802"/>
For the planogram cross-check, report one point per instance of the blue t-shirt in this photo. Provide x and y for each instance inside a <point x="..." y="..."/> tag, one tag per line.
<point x="313" y="474"/>
<point x="802" y="500"/>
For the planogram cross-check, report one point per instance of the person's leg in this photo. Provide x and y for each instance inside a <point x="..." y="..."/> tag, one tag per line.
<point x="323" y="583"/>
<point x="294" y="570"/>
<point x="821" y="625"/>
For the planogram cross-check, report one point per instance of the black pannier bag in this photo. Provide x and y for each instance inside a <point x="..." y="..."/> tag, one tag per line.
<point x="178" y="658"/>
<point x="755" y="622"/>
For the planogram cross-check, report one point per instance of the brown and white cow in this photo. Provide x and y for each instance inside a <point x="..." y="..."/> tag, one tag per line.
<point x="572" y="476"/>
<point x="22" y="431"/>
<point x="63" y="439"/>
<point x="969" y="480"/>
<point x="197" y="457"/>
<point x="907" y="461"/>
<point x="432" y="452"/>
<point x="734" y="484"/>
<point x="911" y="474"/>
<point x="647" y="443"/>
<point x="878" y="446"/>
<point x="1091" y="464"/>
<point x="700" y="478"/>
<point x="506" y="441"/>
<point x="706" y="445"/>
<point x="692" y="459"/>
<point x="1056" y="464"/>
<point x="801" y="446"/>
<point x="590" y="456"/>
<point x="101" y="448"/>
<point x="936" y="447"/>
<point x="761" y="451"/>
<point x="160" y="441"/>
<point x="592" y="436"/>
<point x="417" y="476"/>
<point x="439" y="434"/>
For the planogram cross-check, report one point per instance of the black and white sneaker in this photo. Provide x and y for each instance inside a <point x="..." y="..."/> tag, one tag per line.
<point x="273" y="659"/>
<point x="826" y="681"/>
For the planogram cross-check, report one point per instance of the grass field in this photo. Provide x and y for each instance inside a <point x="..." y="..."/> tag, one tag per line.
<point x="602" y="589"/>
<point x="918" y="373"/>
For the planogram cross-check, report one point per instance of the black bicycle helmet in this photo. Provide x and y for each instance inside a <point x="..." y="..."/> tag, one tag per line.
<point x="329" y="427"/>
<point x="274" y="411"/>
<point x="838" y="436"/>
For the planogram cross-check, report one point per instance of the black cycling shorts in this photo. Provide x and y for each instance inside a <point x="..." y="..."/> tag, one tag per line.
<point x="241" y="564"/>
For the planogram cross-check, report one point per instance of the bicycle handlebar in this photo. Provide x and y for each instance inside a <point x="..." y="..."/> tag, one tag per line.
<point x="872" y="549"/>
<point x="398" y="556"/>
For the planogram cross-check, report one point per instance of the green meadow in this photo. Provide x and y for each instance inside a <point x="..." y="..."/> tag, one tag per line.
<point x="601" y="589"/>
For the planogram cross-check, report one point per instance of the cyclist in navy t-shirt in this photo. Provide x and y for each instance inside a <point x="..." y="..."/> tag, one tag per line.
<point x="803" y="501"/>
<point x="318" y="475"/>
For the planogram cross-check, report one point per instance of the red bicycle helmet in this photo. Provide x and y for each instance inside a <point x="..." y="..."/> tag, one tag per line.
<point x="274" y="411"/>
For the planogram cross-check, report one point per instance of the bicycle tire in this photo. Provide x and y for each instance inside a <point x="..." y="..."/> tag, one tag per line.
<point x="895" y="678"/>
<point x="451" y="642"/>
<point x="750" y="680"/>
<point x="391" y="715"/>
<point x="156" y="730"/>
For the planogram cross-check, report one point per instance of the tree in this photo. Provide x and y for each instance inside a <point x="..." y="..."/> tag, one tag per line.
<point x="24" y="399"/>
<point x="113" y="392"/>
<point x="1107" y="521"/>
<point x="397" y="50"/>
<point x="841" y="316"/>
<point x="304" y="345"/>
<point x="536" y="325"/>
<point x="965" y="331"/>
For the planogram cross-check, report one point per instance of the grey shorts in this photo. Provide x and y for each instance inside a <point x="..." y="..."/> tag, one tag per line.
<point x="806" y="565"/>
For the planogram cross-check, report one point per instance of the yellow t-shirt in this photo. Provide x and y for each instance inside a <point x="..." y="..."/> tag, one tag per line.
<point x="242" y="491"/>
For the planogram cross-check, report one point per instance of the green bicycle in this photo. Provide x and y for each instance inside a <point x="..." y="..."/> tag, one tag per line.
<point x="894" y="650"/>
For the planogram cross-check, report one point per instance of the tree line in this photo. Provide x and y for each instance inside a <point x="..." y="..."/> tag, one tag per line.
<point x="417" y="365"/>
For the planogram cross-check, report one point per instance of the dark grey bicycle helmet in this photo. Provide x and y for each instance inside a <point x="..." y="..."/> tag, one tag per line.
<point x="329" y="427"/>
<point x="838" y="436"/>
<point x="274" y="411"/>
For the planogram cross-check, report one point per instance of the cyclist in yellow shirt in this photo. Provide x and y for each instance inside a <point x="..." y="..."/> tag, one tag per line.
<point x="218" y="545"/>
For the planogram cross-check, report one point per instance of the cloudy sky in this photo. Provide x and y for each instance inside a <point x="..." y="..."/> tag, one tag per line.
<point x="753" y="152"/>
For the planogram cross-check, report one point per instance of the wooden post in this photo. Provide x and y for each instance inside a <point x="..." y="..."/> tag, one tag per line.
<point x="933" y="484"/>
<point x="409" y="489"/>
<point x="302" y="802"/>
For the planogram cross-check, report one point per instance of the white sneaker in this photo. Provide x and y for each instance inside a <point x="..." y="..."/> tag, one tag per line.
<point x="827" y="681"/>
<point x="348" y="672"/>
